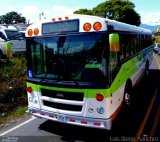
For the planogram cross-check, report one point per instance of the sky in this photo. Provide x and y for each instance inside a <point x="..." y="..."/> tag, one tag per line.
<point x="32" y="10"/>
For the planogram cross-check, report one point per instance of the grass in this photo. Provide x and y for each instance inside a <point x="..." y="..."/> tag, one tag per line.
<point x="13" y="96"/>
<point x="15" y="115"/>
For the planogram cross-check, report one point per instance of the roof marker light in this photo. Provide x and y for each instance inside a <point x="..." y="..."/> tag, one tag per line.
<point x="30" y="32"/>
<point x="53" y="19"/>
<point x="36" y="31"/>
<point x="97" y="26"/>
<point x="66" y="18"/>
<point x="87" y="27"/>
<point x="59" y="18"/>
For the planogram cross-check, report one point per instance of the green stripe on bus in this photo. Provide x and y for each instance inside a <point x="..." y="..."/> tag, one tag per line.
<point x="126" y="71"/>
<point x="88" y="93"/>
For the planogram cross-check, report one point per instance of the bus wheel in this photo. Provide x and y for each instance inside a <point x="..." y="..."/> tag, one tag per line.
<point x="128" y="93"/>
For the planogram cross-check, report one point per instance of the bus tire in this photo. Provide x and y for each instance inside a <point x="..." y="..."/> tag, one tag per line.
<point x="128" y="93"/>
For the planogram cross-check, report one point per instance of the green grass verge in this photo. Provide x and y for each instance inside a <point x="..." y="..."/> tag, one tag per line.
<point x="15" y="115"/>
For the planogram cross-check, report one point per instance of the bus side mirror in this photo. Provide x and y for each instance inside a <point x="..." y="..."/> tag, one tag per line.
<point x="114" y="42"/>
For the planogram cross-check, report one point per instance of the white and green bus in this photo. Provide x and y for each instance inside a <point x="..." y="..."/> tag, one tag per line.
<point x="82" y="69"/>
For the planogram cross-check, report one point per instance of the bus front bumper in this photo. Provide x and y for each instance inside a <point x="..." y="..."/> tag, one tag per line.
<point x="74" y="120"/>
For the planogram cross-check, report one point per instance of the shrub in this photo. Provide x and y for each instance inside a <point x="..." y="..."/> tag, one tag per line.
<point x="12" y="84"/>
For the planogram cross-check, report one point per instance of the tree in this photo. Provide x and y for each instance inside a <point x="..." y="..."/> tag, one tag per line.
<point x="119" y="10"/>
<point x="83" y="11"/>
<point x="1" y="20"/>
<point x="12" y="18"/>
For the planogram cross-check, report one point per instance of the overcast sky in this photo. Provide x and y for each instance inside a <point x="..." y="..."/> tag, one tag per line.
<point x="31" y="9"/>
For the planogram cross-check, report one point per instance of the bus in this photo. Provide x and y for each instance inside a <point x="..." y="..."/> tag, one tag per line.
<point x="157" y="41"/>
<point x="82" y="69"/>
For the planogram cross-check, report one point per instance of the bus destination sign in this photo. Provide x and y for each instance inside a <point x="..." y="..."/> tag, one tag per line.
<point x="60" y="27"/>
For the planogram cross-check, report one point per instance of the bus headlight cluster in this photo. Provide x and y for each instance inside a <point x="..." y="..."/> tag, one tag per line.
<point x="91" y="110"/>
<point x="35" y="101"/>
<point x="100" y="110"/>
<point x="30" y="99"/>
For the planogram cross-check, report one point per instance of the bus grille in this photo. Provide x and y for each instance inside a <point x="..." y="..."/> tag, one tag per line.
<point x="74" y="96"/>
<point x="62" y="106"/>
<point x="60" y="95"/>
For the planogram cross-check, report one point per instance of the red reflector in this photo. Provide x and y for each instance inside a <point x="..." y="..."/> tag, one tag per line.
<point x="71" y="120"/>
<point x="84" y="122"/>
<point x="59" y="18"/>
<point x="41" y="113"/>
<point x="34" y="112"/>
<point x="99" y="97"/>
<point x="97" y="123"/>
<point x="29" y="89"/>
<point x="51" y="116"/>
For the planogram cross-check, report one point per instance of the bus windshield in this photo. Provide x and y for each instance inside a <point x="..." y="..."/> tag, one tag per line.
<point x="80" y="57"/>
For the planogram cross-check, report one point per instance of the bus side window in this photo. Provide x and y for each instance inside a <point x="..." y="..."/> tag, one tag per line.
<point x="121" y="54"/>
<point x="128" y="46"/>
<point x="113" y="60"/>
<point x="122" y="47"/>
<point x="137" y="43"/>
<point x="132" y="45"/>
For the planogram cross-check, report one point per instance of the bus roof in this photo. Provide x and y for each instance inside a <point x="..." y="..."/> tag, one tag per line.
<point x="106" y="24"/>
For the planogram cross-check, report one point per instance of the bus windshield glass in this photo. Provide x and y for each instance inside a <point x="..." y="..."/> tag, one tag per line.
<point x="80" y="57"/>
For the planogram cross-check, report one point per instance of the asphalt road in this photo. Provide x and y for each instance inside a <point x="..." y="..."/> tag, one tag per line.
<point x="125" y="126"/>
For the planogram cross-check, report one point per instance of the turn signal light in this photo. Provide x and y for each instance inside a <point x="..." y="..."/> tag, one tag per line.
<point x="97" y="26"/>
<point x="36" y="31"/>
<point x="30" y="32"/>
<point x="99" y="97"/>
<point x="87" y="27"/>
<point x="29" y="89"/>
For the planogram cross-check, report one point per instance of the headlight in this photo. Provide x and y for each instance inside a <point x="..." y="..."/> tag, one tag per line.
<point x="91" y="110"/>
<point x="30" y="99"/>
<point x="100" y="110"/>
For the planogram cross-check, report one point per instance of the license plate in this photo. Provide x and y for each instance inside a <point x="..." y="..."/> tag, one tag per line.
<point x="61" y="118"/>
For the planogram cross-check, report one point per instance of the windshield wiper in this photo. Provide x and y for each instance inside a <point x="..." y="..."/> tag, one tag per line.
<point x="77" y="84"/>
<point x="44" y="77"/>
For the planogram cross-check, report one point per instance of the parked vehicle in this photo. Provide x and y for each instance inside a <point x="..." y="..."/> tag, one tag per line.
<point x="18" y="42"/>
<point x="157" y="48"/>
